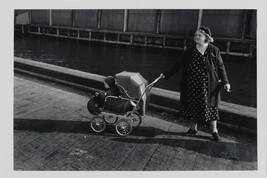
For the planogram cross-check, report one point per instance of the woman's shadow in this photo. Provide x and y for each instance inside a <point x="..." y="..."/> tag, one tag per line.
<point x="147" y="131"/>
<point x="199" y="144"/>
<point x="146" y="135"/>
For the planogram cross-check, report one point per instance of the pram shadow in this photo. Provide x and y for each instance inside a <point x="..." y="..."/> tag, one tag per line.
<point x="232" y="151"/>
<point x="83" y="127"/>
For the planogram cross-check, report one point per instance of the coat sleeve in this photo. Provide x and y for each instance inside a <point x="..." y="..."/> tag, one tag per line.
<point x="221" y="69"/>
<point x="176" y="67"/>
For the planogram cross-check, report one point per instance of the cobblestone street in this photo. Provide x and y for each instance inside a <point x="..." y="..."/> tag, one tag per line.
<point x="52" y="132"/>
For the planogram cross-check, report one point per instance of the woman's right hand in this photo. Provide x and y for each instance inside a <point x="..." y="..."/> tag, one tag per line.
<point x="227" y="87"/>
<point x="162" y="75"/>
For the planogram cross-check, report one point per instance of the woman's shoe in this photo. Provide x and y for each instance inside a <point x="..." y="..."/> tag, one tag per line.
<point x="216" y="136"/>
<point x="191" y="132"/>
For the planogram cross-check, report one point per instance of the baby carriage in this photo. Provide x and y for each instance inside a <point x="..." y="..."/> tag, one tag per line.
<point x="124" y="113"/>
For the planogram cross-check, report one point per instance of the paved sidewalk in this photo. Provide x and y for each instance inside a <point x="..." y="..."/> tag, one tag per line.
<point x="52" y="132"/>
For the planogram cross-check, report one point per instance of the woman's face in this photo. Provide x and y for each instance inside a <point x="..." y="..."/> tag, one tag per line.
<point x="200" y="38"/>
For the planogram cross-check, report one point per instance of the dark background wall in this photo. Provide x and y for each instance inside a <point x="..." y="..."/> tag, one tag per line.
<point x="224" y="23"/>
<point x="142" y="21"/>
<point x="85" y="18"/>
<point x="40" y="17"/>
<point x="178" y="22"/>
<point x="232" y="23"/>
<point x="62" y="18"/>
<point x="252" y="26"/>
<point x="112" y="20"/>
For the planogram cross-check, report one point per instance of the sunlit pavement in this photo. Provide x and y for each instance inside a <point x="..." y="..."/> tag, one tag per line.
<point x="52" y="132"/>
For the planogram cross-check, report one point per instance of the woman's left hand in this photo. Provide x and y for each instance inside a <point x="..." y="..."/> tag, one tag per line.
<point x="162" y="75"/>
<point x="227" y="87"/>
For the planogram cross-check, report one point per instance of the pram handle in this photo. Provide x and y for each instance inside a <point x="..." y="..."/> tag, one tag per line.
<point x="155" y="81"/>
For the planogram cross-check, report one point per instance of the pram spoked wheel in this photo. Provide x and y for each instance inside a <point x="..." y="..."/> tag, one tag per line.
<point x="123" y="127"/>
<point x="136" y="119"/>
<point x="98" y="124"/>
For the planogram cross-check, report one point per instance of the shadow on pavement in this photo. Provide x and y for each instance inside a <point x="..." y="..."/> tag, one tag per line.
<point x="83" y="127"/>
<point x="152" y="132"/>
<point x="52" y="125"/>
<point x="226" y="150"/>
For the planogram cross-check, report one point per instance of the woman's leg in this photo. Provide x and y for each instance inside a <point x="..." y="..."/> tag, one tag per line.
<point x="214" y="131"/>
<point x="193" y="125"/>
<point x="213" y="126"/>
<point x="193" y="128"/>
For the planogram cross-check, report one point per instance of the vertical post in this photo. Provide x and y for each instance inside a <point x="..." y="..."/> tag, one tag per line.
<point x="57" y="32"/>
<point x="131" y="39"/>
<point x="90" y="35"/>
<point x="15" y="15"/>
<point x="30" y="17"/>
<point x="146" y="40"/>
<point x="125" y="20"/>
<point x="247" y="24"/>
<point x="200" y="15"/>
<point x="118" y="37"/>
<point x="158" y="20"/>
<point x="185" y="40"/>
<point x="50" y="17"/>
<point x="72" y="18"/>
<point x="98" y="19"/>
<point x="105" y="38"/>
<point x="243" y="35"/>
<point x="228" y="47"/>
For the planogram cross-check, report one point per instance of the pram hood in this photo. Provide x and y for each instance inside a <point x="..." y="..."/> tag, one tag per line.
<point x="135" y="85"/>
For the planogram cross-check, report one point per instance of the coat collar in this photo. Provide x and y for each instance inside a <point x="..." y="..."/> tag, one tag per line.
<point x="208" y="49"/>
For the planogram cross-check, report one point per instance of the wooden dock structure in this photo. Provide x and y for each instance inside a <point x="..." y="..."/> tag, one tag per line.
<point x="172" y="29"/>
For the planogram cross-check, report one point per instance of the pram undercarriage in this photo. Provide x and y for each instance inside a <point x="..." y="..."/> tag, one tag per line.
<point x="122" y="116"/>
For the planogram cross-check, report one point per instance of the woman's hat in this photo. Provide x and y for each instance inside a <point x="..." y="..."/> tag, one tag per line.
<point x="206" y="31"/>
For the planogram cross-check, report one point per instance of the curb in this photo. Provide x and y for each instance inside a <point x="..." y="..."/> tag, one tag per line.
<point x="232" y="116"/>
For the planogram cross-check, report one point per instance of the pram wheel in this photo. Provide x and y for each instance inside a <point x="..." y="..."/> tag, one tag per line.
<point x="123" y="127"/>
<point x="136" y="119"/>
<point x="98" y="124"/>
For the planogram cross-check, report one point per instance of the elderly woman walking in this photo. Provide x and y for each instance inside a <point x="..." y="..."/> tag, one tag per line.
<point x="203" y="76"/>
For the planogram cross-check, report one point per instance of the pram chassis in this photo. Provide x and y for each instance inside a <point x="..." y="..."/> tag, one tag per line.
<point x="124" y="124"/>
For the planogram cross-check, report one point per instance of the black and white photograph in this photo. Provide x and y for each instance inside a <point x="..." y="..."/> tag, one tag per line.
<point x="136" y="90"/>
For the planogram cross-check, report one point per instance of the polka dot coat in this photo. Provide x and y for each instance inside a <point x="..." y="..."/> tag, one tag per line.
<point x="203" y="77"/>
<point x="196" y="106"/>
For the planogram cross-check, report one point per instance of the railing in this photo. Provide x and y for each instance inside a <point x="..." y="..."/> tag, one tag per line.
<point x="229" y="46"/>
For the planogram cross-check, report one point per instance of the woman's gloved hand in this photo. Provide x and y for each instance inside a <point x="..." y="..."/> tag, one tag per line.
<point x="227" y="87"/>
<point x="162" y="75"/>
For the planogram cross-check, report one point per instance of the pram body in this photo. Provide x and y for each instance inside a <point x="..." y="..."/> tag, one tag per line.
<point x="125" y="112"/>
